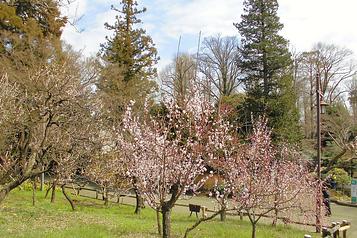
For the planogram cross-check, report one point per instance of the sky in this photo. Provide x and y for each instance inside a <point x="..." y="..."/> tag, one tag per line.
<point x="306" y="22"/>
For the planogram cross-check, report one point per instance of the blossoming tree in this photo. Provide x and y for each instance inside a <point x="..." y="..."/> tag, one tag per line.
<point x="165" y="153"/>
<point x="265" y="180"/>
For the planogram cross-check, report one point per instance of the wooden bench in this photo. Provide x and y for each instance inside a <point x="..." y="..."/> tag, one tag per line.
<point x="196" y="209"/>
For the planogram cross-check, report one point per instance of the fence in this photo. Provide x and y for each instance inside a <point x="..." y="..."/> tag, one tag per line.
<point x="334" y="231"/>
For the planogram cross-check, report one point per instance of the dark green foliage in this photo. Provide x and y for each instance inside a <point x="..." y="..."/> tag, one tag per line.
<point x="264" y="52"/>
<point x="131" y="48"/>
<point x="116" y="93"/>
<point x="338" y="123"/>
<point x="338" y="136"/>
<point x="159" y="111"/>
<point x="30" y="25"/>
<point x="266" y="65"/>
<point x="129" y="59"/>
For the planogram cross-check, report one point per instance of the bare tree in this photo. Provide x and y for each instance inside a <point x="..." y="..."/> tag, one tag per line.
<point x="177" y="79"/>
<point x="107" y="171"/>
<point x="43" y="113"/>
<point x="335" y="66"/>
<point x="338" y="125"/>
<point x="218" y="64"/>
<point x="305" y="78"/>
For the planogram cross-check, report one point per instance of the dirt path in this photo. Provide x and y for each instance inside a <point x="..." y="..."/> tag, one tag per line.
<point x="340" y="213"/>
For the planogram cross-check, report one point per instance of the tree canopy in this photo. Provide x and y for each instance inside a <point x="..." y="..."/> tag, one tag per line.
<point x="130" y="47"/>
<point x="265" y="63"/>
<point x="30" y="25"/>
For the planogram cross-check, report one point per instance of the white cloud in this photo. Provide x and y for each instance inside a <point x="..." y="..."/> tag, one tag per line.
<point x="209" y="16"/>
<point x="91" y="36"/>
<point x="75" y="9"/>
<point x="306" y="22"/>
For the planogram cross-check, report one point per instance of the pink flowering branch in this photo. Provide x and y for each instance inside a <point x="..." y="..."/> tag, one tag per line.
<point x="165" y="154"/>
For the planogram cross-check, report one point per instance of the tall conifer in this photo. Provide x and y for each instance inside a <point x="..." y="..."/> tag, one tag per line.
<point x="129" y="67"/>
<point x="130" y="48"/>
<point x="266" y="65"/>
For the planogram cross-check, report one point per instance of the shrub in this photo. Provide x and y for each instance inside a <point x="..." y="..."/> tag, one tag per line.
<point x="340" y="176"/>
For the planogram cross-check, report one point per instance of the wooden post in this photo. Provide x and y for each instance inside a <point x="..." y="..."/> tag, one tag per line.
<point x="241" y="215"/>
<point x="203" y="210"/>
<point x="333" y="225"/>
<point x="337" y="233"/>
<point x="325" y="232"/>
<point x="344" y="232"/>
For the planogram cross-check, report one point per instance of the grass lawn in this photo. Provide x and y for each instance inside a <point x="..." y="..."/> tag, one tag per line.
<point x="18" y="218"/>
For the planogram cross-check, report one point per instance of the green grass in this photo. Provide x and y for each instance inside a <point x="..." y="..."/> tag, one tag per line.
<point x="18" y="218"/>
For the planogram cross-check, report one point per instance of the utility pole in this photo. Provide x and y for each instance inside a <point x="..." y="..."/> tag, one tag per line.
<point x="318" y="131"/>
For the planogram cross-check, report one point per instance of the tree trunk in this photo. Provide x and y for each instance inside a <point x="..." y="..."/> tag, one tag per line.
<point x="42" y="180"/>
<point x="276" y="207"/>
<point x="53" y="194"/>
<point x="139" y="202"/>
<point x="223" y="214"/>
<point x="105" y="196"/>
<point x="253" y="221"/>
<point x="158" y="221"/>
<point x="166" y="222"/>
<point x="34" y="192"/>
<point x="3" y="194"/>
<point x="6" y="188"/>
<point x="254" y="229"/>
<point x="275" y="219"/>
<point x="312" y="93"/>
<point x="48" y="191"/>
<point x="67" y="197"/>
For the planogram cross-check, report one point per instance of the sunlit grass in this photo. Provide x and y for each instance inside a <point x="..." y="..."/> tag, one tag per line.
<point x="18" y="218"/>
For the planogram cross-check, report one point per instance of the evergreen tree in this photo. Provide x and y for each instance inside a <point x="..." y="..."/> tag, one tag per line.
<point x="30" y="27"/>
<point x="129" y="60"/>
<point x="130" y="48"/>
<point x="265" y="62"/>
